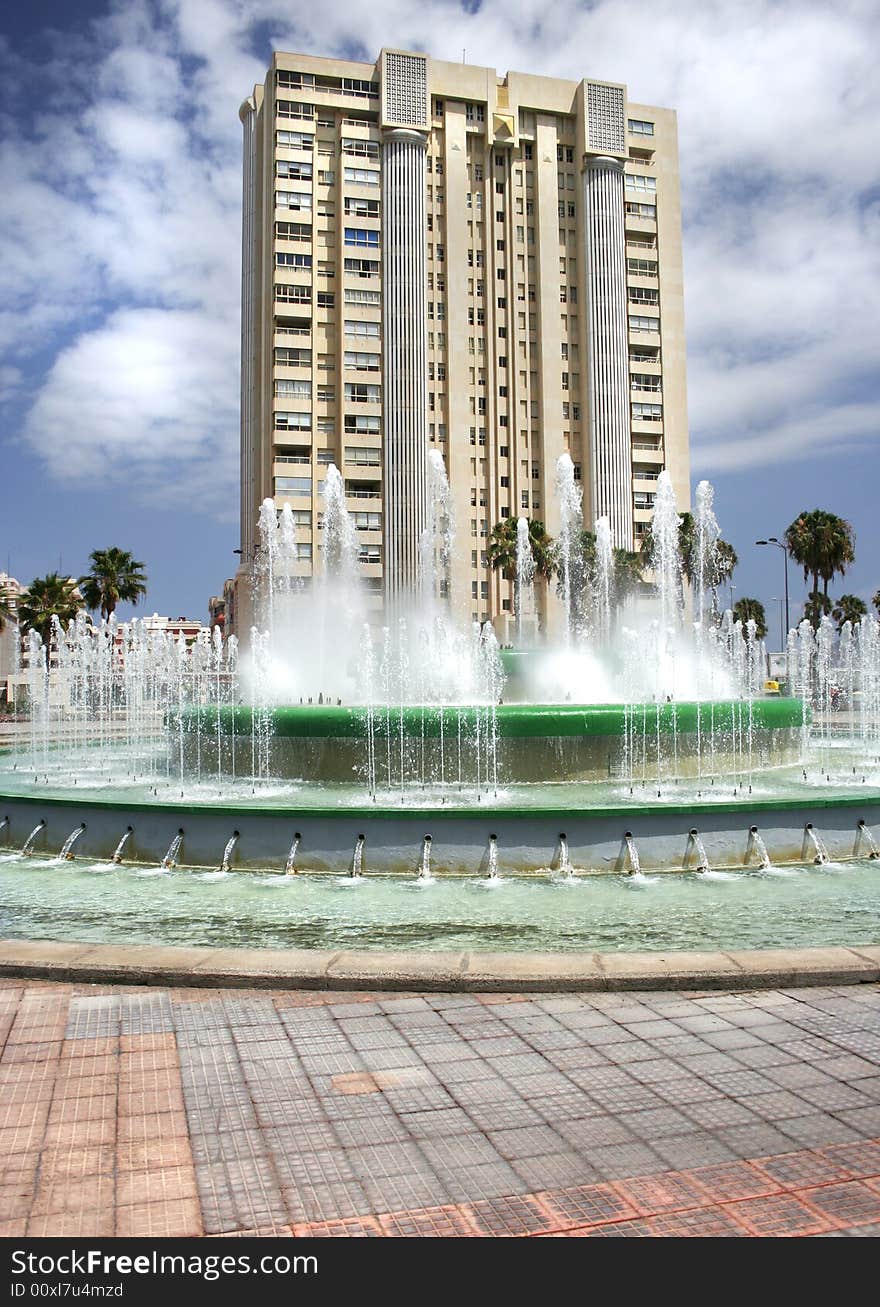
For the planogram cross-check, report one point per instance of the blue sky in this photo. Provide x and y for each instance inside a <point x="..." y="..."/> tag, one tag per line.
<point x="119" y="254"/>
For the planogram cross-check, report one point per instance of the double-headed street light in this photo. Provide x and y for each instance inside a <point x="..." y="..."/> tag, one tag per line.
<point x="773" y="540"/>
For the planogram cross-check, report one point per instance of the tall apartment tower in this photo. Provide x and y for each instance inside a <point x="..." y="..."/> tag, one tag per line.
<point x="436" y="257"/>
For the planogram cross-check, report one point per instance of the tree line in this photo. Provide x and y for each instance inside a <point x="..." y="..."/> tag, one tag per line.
<point x="819" y="542"/>
<point x="115" y="577"/>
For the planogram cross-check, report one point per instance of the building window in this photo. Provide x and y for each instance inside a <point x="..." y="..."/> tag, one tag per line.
<point x="637" y="322"/>
<point x="364" y="149"/>
<point x="368" y="297"/>
<point x="362" y="267"/>
<point x="293" y="200"/>
<point x="640" y="127"/>
<point x="362" y="456"/>
<point x="647" y="412"/>
<point x="294" y="140"/>
<point x="293" y="485"/>
<point x="361" y="238"/>
<point x="362" y="362"/>
<point x="286" y="388"/>
<point x="359" y="208"/>
<point x="362" y="329"/>
<point x="361" y="176"/>
<point x="644" y="381"/>
<point x="361" y="393"/>
<point x="638" y="209"/>
<point x="294" y="109"/>
<point x="636" y="182"/>
<point x="293" y="231"/>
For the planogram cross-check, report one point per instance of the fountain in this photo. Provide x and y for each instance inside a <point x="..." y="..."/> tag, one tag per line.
<point x="635" y="726"/>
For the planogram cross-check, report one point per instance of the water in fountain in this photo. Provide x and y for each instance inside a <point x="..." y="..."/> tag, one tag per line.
<point x="571" y="523"/>
<point x="756" y="845"/>
<point x="438" y="538"/>
<point x="226" y="860"/>
<point x="126" y="836"/>
<point x="667" y="559"/>
<point x="695" y="842"/>
<point x="707" y="533"/>
<point x="170" y="859"/>
<point x="813" y="840"/>
<point x="125" y="705"/>
<point x="525" y="577"/>
<point x="635" y="865"/>
<point x="424" y="872"/>
<point x="565" y="867"/>
<point x="604" y="580"/>
<point x="290" y="864"/>
<point x="357" y="861"/>
<point x="864" y="836"/>
<point x="67" y="846"/>
<point x="29" y="842"/>
<point x="493" y="857"/>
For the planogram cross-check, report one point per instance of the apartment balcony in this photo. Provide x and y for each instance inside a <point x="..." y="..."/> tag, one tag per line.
<point x="647" y="453"/>
<point x="292" y="371"/>
<point x="292" y="332"/>
<point x="640" y="335"/>
<point x="638" y="226"/>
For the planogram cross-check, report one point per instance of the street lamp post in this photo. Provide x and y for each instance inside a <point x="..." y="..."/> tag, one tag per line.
<point x="773" y="540"/>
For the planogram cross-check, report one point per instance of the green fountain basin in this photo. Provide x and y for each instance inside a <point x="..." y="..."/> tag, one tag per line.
<point x="511" y="742"/>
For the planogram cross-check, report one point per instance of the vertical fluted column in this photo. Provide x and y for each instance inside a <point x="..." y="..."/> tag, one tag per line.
<point x="608" y="349"/>
<point x="249" y="276"/>
<point x="404" y="361"/>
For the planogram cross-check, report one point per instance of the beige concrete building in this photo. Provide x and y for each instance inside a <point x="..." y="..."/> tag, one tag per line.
<point x="436" y="257"/>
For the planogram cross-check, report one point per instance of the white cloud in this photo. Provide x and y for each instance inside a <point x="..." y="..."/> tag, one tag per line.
<point x="120" y="211"/>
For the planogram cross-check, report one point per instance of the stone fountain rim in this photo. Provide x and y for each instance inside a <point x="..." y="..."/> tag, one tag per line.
<point x="367" y="811"/>
<point x="474" y="972"/>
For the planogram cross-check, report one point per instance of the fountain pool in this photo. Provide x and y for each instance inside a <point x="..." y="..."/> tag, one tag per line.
<point x="341" y="782"/>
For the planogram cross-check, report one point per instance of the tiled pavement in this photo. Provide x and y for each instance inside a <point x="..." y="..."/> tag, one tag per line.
<point x="186" y="1112"/>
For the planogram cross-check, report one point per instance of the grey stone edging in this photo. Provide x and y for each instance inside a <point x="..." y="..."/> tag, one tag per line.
<point x="143" y="964"/>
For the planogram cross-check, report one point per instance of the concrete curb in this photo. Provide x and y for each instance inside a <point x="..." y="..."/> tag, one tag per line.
<point x="143" y="964"/>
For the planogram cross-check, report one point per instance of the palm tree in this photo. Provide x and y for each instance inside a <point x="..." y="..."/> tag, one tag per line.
<point x="849" y="608"/>
<point x="501" y="549"/>
<point x="720" y="564"/>
<point x="626" y="567"/>
<point x="47" y="597"/>
<point x="817" y="606"/>
<point x="876" y="601"/>
<point x="824" y="546"/>
<point x="116" y="577"/>
<point x="747" y="610"/>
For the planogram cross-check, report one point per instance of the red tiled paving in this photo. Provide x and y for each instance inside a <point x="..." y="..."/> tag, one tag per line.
<point x="98" y="1136"/>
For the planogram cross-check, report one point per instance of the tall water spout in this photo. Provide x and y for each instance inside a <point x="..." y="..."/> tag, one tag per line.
<point x="571" y="523"/>
<point x="707" y="533"/>
<point x="604" y="578"/>
<point x="525" y="575"/>
<point x="438" y="538"/>
<point x="667" y="558"/>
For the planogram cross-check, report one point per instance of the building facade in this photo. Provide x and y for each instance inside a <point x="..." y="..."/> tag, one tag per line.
<point x="436" y="257"/>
